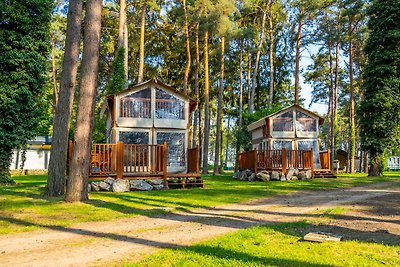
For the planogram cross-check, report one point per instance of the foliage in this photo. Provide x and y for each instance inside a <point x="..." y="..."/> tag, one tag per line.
<point x="24" y="46"/>
<point x="117" y="80"/>
<point x="380" y="110"/>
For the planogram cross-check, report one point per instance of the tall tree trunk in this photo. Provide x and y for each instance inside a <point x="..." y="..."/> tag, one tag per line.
<point x="188" y="59"/>
<point x="54" y="73"/>
<point x="206" y="139"/>
<point x="58" y="159"/>
<point x="141" y="47"/>
<point x="196" y="88"/>
<point x="352" y="138"/>
<point x="258" y="55"/>
<point x="77" y="189"/>
<point x="298" y="51"/>
<point x="240" y="104"/>
<point x="219" y="108"/>
<point x="122" y="34"/>
<point x="271" y="54"/>
<point x="331" y="137"/>
<point x="249" y="64"/>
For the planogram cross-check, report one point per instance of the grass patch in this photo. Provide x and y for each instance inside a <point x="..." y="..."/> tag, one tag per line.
<point x="276" y="245"/>
<point x="23" y="206"/>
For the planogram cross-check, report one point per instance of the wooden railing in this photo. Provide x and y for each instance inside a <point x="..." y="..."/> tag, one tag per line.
<point x="325" y="159"/>
<point x="170" y="109"/>
<point x="135" y="107"/>
<point x="193" y="160"/>
<point x="277" y="159"/>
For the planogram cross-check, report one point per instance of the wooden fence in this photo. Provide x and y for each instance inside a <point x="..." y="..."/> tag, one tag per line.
<point x="193" y="160"/>
<point x="277" y="159"/>
<point x="325" y="159"/>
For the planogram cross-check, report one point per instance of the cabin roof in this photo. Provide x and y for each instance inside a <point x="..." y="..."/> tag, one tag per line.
<point x="262" y="121"/>
<point x="154" y="81"/>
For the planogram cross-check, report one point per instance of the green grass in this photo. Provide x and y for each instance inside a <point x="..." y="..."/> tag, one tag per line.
<point x="23" y="207"/>
<point x="276" y="245"/>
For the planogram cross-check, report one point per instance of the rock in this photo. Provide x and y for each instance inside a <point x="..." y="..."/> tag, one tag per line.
<point x="282" y="177"/>
<point x="275" y="176"/>
<point x="290" y="173"/>
<point x="236" y="175"/>
<point x="308" y="174"/>
<point x="104" y="186"/>
<point x="158" y="186"/>
<point x="302" y="175"/>
<point x="243" y="176"/>
<point x="89" y="188"/>
<point x="140" y="185"/>
<point x="252" y="177"/>
<point x="95" y="186"/>
<point x="263" y="176"/>
<point x="120" y="185"/>
<point x="109" y="181"/>
<point x="154" y="182"/>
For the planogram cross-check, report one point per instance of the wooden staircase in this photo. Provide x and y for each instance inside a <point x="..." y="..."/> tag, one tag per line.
<point x="324" y="173"/>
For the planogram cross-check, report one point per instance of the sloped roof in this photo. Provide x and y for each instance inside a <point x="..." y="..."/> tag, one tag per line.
<point x="261" y="121"/>
<point x="154" y="81"/>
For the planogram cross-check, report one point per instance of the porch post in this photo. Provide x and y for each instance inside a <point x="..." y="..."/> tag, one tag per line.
<point x="329" y="160"/>
<point x="120" y="160"/>
<point x="312" y="163"/>
<point x="255" y="161"/>
<point x="164" y="162"/>
<point x="284" y="163"/>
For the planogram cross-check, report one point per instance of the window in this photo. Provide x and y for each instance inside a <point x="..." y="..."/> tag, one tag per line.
<point x="169" y="106"/>
<point x="134" y="137"/>
<point x="176" y="147"/>
<point x="283" y="123"/>
<point x="282" y="144"/>
<point x="136" y="105"/>
<point x="305" y="123"/>
<point x="309" y="145"/>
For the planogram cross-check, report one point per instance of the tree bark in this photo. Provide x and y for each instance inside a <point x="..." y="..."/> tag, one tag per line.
<point x="206" y="139"/>
<point x="240" y="104"/>
<point x="352" y="118"/>
<point x="219" y="109"/>
<point x="271" y="54"/>
<point x="58" y="159"/>
<point x="196" y="88"/>
<point x="249" y="79"/>
<point x="258" y="55"/>
<point x="123" y="34"/>
<point x="297" y="65"/>
<point x="77" y="189"/>
<point x="54" y="73"/>
<point x="188" y="58"/>
<point x="374" y="169"/>
<point x="141" y="47"/>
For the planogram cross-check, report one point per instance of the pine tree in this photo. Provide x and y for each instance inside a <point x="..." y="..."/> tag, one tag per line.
<point x="380" y="109"/>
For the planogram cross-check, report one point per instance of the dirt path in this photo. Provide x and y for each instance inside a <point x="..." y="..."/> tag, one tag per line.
<point x="375" y="212"/>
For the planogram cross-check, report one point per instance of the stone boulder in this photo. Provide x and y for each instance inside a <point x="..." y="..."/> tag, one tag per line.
<point x="154" y="182"/>
<point x="158" y="186"/>
<point x="251" y="177"/>
<point x="89" y="188"/>
<point x="120" y="185"/>
<point x="236" y="175"/>
<point x="243" y="176"/>
<point x="302" y="175"/>
<point x="275" y="176"/>
<point x="140" y="185"/>
<point x="263" y="176"/>
<point x="104" y="186"/>
<point x="95" y="186"/>
<point x="308" y="174"/>
<point x="291" y="172"/>
<point x="109" y="181"/>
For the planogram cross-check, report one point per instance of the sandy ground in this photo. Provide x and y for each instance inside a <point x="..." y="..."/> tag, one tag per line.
<point x="373" y="214"/>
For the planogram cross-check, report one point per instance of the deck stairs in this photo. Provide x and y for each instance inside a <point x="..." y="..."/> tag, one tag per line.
<point x="324" y="173"/>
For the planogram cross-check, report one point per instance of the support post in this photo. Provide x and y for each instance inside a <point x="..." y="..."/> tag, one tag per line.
<point x="284" y="163"/>
<point x="255" y="160"/>
<point x="329" y="160"/>
<point x="312" y="163"/>
<point x="197" y="160"/>
<point x="120" y="160"/>
<point x="164" y="160"/>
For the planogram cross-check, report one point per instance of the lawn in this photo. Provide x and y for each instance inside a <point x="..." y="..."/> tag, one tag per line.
<point x="275" y="245"/>
<point x="23" y="207"/>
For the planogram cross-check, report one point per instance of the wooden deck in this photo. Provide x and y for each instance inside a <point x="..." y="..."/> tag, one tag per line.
<point x="141" y="162"/>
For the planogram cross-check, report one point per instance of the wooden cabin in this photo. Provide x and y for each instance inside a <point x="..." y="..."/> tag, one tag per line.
<point x="148" y="135"/>
<point x="287" y="139"/>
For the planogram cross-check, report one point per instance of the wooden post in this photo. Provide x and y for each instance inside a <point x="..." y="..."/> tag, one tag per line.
<point x="197" y="160"/>
<point x="164" y="159"/>
<point x="312" y="163"/>
<point x="255" y="161"/>
<point x="329" y="160"/>
<point x="120" y="160"/>
<point x="284" y="163"/>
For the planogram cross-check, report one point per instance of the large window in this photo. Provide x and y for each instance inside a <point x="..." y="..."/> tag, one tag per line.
<point x="137" y="105"/>
<point x="136" y="138"/>
<point x="169" y="106"/>
<point x="309" y="145"/>
<point x="283" y="123"/>
<point x="282" y="144"/>
<point x="305" y="123"/>
<point x="176" y="147"/>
